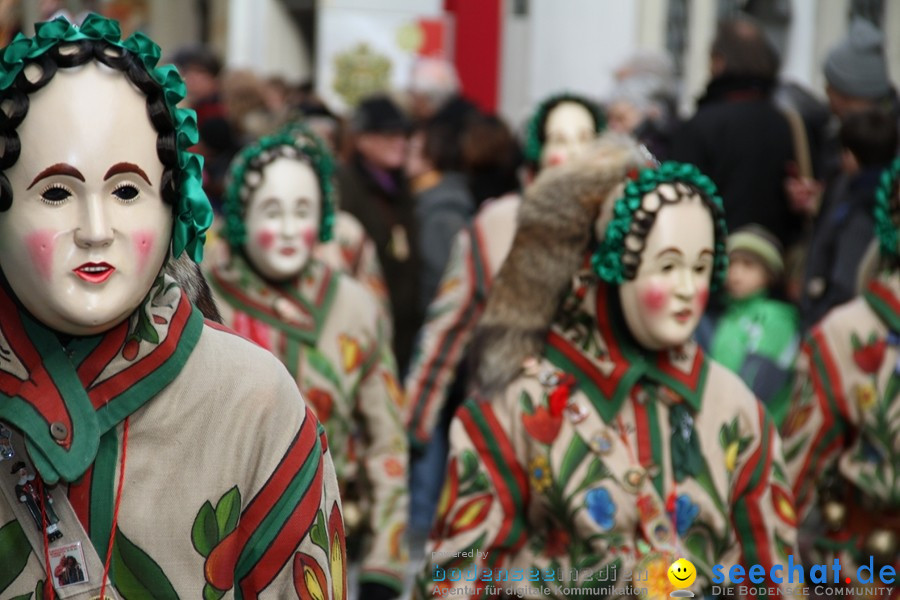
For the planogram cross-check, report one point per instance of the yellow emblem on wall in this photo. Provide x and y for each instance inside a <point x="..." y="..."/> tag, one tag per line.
<point x="360" y="72"/>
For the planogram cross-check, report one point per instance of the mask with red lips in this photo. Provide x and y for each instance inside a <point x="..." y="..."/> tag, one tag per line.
<point x="87" y="232"/>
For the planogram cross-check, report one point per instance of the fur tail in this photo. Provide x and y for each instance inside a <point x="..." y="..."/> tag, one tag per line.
<point x="555" y="227"/>
<point x="190" y="278"/>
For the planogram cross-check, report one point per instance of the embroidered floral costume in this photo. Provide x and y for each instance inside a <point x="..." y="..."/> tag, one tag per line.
<point x="160" y="396"/>
<point x="602" y="461"/>
<point x="328" y="330"/>
<point x="842" y="433"/>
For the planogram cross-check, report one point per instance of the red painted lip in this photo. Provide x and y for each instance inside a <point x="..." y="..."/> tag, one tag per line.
<point x="288" y="251"/>
<point x="683" y="316"/>
<point x="94" y="272"/>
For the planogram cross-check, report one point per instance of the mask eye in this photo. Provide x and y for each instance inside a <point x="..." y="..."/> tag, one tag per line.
<point x="126" y="192"/>
<point x="55" y="194"/>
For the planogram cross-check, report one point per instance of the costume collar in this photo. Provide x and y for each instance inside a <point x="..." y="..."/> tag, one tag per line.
<point x="83" y="389"/>
<point x="592" y="342"/>
<point x="883" y="297"/>
<point x="297" y="308"/>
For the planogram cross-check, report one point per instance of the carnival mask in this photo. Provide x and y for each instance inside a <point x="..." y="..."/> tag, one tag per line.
<point x="283" y="218"/>
<point x="567" y="130"/>
<point x="663" y="303"/>
<point x="87" y="232"/>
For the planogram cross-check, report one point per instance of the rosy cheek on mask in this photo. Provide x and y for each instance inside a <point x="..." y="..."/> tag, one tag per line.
<point x="309" y="237"/>
<point x="265" y="239"/>
<point x="701" y="298"/>
<point x="557" y="158"/>
<point x="144" y="241"/>
<point x="40" y="246"/>
<point x="654" y="298"/>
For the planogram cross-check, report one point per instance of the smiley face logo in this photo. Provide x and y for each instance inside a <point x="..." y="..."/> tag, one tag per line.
<point x="682" y="573"/>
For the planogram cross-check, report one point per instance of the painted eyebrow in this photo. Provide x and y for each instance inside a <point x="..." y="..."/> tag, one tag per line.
<point x="669" y="249"/>
<point x="126" y="167"/>
<point x="57" y="169"/>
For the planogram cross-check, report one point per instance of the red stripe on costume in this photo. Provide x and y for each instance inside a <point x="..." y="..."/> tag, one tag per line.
<point x="221" y="562"/>
<point x="689" y="379"/>
<point x="606" y="385"/>
<point x="509" y="456"/>
<point x="752" y="501"/>
<point x="832" y="372"/>
<point x="98" y="360"/>
<point x="885" y="295"/>
<point x="452" y="351"/>
<point x="80" y="498"/>
<point x="40" y="391"/>
<point x="285" y="543"/>
<point x="485" y="265"/>
<point x="642" y="433"/>
<point x="103" y="392"/>
<point x="828" y="421"/>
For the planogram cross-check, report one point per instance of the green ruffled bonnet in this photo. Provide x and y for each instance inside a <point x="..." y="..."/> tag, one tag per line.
<point x="309" y="147"/>
<point x="607" y="260"/>
<point x="885" y="224"/>
<point x="192" y="211"/>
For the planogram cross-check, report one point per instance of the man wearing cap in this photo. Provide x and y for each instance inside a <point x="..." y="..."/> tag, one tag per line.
<point x="856" y="72"/>
<point x="372" y="188"/>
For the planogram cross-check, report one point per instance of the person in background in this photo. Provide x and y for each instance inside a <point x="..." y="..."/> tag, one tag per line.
<point x="845" y="225"/>
<point x="218" y="143"/>
<point x="443" y="203"/>
<point x="738" y="136"/>
<point x="840" y="434"/>
<point x="856" y="79"/>
<point x="372" y="188"/>
<point x="491" y="158"/>
<point x="644" y="101"/>
<point x="757" y="336"/>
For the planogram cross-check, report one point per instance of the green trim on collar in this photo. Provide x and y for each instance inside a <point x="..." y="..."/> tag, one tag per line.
<point x="54" y="392"/>
<point x="884" y="303"/>
<point x="629" y="363"/>
<point x="233" y="283"/>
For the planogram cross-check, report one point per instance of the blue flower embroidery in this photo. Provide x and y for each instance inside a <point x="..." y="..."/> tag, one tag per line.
<point x="685" y="513"/>
<point x="601" y="507"/>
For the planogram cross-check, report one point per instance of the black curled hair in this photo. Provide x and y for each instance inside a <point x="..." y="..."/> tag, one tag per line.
<point x="536" y="134"/>
<point x="645" y="216"/>
<point x="14" y="103"/>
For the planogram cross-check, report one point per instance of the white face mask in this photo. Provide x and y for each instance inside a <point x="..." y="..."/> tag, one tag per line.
<point x="664" y="302"/>
<point x="282" y="219"/>
<point x="87" y="232"/>
<point x="568" y="129"/>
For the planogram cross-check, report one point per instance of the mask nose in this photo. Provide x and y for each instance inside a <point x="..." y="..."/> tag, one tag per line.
<point x="95" y="228"/>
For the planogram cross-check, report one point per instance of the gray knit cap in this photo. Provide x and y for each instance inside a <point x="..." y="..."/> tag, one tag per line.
<point x="856" y="66"/>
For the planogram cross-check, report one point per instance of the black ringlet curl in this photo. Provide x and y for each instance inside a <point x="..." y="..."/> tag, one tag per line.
<point x="14" y="101"/>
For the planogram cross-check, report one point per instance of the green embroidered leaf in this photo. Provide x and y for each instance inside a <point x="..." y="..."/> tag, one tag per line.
<point x="479" y="484"/>
<point x="322" y="366"/>
<point x="792" y="452"/>
<point x="597" y="471"/>
<point x="318" y="534"/>
<point x="205" y="532"/>
<point x="526" y="402"/>
<point x="228" y="512"/>
<point x="14" y="552"/>
<point x="573" y="457"/>
<point x="135" y="574"/>
<point x="23" y="596"/>
<point x="211" y="593"/>
<point x="39" y="590"/>
<point x="469" y="463"/>
<point x="145" y="329"/>
<point x="854" y="341"/>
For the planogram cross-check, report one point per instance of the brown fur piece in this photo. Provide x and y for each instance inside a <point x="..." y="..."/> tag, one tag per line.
<point x="190" y="278"/>
<point x="555" y="226"/>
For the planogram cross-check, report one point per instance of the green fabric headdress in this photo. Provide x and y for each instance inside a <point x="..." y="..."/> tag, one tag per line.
<point x="254" y="157"/>
<point x="192" y="211"/>
<point x="887" y="207"/>
<point x="615" y="263"/>
<point x="534" y="134"/>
